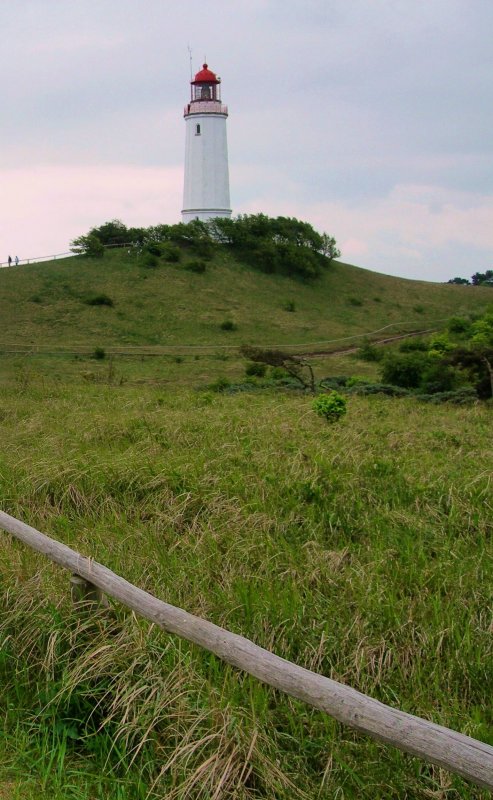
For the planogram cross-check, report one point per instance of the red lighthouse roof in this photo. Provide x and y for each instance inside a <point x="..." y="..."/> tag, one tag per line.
<point x="205" y="76"/>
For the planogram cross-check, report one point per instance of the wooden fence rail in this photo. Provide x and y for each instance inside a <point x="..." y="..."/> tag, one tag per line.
<point x="454" y="751"/>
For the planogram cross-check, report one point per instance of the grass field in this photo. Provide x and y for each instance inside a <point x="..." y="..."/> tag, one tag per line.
<point x="361" y="550"/>
<point x="46" y="304"/>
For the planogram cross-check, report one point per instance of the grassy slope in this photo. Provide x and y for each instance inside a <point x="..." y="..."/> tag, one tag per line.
<point x="360" y="550"/>
<point x="43" y="304"/>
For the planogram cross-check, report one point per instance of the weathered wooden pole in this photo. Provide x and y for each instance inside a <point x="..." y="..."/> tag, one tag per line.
<point x="454" y="751"/>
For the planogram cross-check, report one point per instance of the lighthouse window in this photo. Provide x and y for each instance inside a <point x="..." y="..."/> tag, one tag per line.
<point x="197" y="130"/>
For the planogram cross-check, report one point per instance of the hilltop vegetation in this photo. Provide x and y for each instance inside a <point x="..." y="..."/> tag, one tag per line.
<point x="132" y="297"/>
<point x="282" y="245"/>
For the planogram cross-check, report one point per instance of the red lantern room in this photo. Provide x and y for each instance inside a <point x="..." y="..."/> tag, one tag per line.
<point x="205" y="86"/>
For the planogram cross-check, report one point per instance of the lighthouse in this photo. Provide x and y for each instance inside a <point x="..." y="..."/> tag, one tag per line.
<point x="206" y="185"/>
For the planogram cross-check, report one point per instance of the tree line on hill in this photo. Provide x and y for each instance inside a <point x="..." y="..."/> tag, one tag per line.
<point x="478" y="279"/>
<point x="282" y="245"/>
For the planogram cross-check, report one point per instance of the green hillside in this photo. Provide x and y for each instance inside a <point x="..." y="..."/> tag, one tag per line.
<point x="47" y="304"/>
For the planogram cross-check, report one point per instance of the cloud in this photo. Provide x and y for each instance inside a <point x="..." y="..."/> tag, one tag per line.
<point x="424" y="232"/>
<point x="42" y="209"/>
<point x="364" y="114"/>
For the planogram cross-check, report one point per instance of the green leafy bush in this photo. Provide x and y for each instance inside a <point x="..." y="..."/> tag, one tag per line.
<point x="99" y="300"/>
<point x="330" y="406"/>
<point x="197" y="265"/>
<point x="290" y="306"/>
<point x="149" y="261"/>
<point x="404" y="369"/>
<point x="256" y="369"/>
<point x="220" y="385"/>
<point x="413" y="344"/>
<point x="228" y="325"/>
<point x="99" y="353"/>
<point x="368" y="352"/>
<point x="459" y="325"/>
<point x="355" y="301"/>
<point x="171" y="252"/>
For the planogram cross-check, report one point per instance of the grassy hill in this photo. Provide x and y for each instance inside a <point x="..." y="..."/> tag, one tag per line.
<point x="360" y="550"/>
<point x="47" y="304"/>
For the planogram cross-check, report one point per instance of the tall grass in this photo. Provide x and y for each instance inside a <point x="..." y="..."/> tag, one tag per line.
<point x="361" y="550"/>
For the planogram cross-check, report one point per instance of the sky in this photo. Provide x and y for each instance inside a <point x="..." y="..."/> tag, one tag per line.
<point x="370" y="119"/>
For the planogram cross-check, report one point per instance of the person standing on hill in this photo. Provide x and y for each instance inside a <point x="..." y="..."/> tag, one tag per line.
<point x="9" y="261"/>
<point x="16" y="261"/>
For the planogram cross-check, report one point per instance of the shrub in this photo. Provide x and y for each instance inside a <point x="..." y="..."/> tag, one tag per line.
<point x="171" y="252"/>
<point x="412" y="344"/>
<point x="355" y="301"/>
<point x="290" y="306"/>
<point x="204" y="248"/>
<point x="334" y="382"/>
<point x="35" y="298"/>
<point x="149" y="261"/>
<point x="460" y="397"/>
<point x="196" y="265"/>
<point x="368" y="352"/>
<point x="418" y="309"/>
<point x="220" y="385"/>
<point x="99" y="353"/>
<point x="154" y="249"/>
<point x="256" y="369"/>
<point x="459" y="325"/>
<point x="228" y="325"/>
<point x="388" y="389"/>
<point x="330" y="406"/>
<point x="404" y="369"/>
<point x="99" y="300"/>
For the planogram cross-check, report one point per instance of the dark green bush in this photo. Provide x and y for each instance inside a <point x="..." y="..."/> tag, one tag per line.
<point x="290" y="306"/>
<point x="368" y="352"/>
<point x="463" y="396"/>
<point x="220" y="385"/>
<point x="171" y="252"/>
<point x="99" y="353"/>
<point x="196" y="265"/>
<point x="459" y="325"/>
<point x="365" y="389"/>
<point x="148" y="261"/>
<point x="412" y="344"/>
<point x="228" y="325"/>
<point x="355" y="301"/>
<point x="256" y="369"/>
<point x="404" y="369"/>
<point x="99" y="300"/>
<point x="154" y="248"/>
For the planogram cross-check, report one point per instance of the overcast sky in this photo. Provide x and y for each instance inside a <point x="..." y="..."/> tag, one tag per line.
<point x="371" y="119"/>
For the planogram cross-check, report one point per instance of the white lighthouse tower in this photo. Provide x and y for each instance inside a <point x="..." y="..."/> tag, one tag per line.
<point x="206" y="186"/>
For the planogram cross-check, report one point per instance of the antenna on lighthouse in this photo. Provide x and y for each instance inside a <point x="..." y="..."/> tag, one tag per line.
<point x="190" y="55"/>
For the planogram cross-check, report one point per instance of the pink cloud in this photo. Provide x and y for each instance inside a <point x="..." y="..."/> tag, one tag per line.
<point x="43" y="208"/>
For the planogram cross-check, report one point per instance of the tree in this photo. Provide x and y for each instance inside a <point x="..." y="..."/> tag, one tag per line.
<point x="88" y="245"/>
<point x="296" y="366"/>
<point x="329" y="247"/>
<point x="483" y="278"/>
<point x="460" y="281"/>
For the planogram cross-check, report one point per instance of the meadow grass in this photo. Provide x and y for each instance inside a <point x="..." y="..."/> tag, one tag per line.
<point x="49" y="303"/>
<point x="360" y="550"/>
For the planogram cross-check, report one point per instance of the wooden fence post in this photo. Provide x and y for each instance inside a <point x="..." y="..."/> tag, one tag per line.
<point x="85" y="595"/>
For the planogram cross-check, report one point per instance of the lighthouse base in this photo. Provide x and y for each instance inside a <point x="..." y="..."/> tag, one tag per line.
<point x="189" y="214"/>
